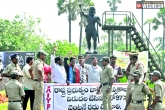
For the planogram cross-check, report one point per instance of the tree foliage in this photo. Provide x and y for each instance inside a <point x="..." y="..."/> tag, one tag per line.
<point x="23" y="34"/>
<point x="113" y="4"/>
<point x="63" y="6"/>
<point x="63" y="47"/>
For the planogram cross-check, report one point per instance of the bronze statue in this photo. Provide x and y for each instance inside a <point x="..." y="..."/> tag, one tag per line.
<point x="90" y="29"/>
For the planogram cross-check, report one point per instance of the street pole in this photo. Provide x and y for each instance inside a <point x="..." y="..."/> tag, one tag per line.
<point x="142" y="21"/>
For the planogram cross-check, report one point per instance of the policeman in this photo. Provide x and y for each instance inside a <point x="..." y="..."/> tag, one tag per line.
<point x="107" y="79"/>
<point x="1" y="68"/>
<point x="133" y="65"/>
<point x="1" y="64"/>
<point x="137" y="93"/>
<point x="159" y="91"/>
<point x="14" y="92"/>
<point x="12" y="66"/>
<point x="38" y="79"/>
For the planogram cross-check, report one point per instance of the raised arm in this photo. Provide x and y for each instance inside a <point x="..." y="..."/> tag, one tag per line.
<point x="52" y="62"/>
<point x="86" y="58"/>
<point x="83" y="14"/>
<point x="66" y="59"/>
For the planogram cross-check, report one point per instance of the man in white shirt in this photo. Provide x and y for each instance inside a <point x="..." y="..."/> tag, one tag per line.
<point x="93" y="71"/>
<point x="28" y="84"/>
<point x="58" y="71"/>
<point x="83" y="69"/>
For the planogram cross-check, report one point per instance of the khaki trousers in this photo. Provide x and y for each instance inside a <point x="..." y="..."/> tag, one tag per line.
<point x="127" y="94"/>
<point x="39" y="91"/>
<point x="137" y="106"/>
<point x="15" y="106"/>
<point x="159" y="106"/>
<point x="106" y="98"/>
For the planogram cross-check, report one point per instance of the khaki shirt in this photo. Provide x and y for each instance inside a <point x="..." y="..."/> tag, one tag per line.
<point x="134" y="67"/>
<point x="37" y="64"/>
<point x="12" y="67"/>
<point x="159" y="89"/>
<point x="14" y="90"/>
<point x="138" y="91"/>
<point x="107" y="74"/>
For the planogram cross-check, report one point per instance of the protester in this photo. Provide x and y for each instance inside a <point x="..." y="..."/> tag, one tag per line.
<point x="47" y="73"/>
<point x="28" y="84"/>
<point x="14" y="92"/>
<point x="73" y="73"/>
<point x="137" y="93"/>
<point x="12" y="66"/>
<point x="107" y="79"/>
<point x="94" y="71"/>
<point x="57" y="69"/>
<point x="116" y="69"/>
<point x="83" y="69"/>
<point x="159" y="91"/>
<point x="38" y="81"/>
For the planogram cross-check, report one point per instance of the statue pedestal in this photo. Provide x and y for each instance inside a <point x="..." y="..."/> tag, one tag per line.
<point x="99" y="56"/>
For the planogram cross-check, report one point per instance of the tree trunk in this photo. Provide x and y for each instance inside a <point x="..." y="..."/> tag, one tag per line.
<point x="69" y="22"/>
<point x="80" y="35"/>
<point x="149" y="31"/>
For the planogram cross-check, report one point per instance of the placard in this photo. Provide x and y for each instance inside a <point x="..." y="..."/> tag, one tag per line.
<point x="81" y="97"/>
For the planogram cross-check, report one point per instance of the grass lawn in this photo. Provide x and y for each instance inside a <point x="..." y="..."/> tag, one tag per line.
<point x="4" y="105"/>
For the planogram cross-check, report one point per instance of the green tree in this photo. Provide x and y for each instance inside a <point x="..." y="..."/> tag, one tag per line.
<point x="113" y="3"/>
<point x="21" y="34"/>
<point x="157" y="21"/>
<point x="63" y="47"/>
<point x="72" y="8"/>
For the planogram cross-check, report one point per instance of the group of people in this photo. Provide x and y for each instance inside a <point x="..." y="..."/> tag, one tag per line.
<point x="36" y="72"/>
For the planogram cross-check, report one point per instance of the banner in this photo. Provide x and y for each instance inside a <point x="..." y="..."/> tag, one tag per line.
<point x="22" y="57"/>
<point x="81" y="97"/>
<point x="123" y="59"/>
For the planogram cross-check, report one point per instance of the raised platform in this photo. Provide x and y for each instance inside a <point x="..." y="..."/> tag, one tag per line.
<point x="110" y="27"/>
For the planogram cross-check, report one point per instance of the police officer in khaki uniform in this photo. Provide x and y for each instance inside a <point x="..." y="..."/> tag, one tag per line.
<point x="137" y="93"/>
<point x="14" y="92"/>
<point x="159" y="91"/>
<point x="133" y="65"/>
<point x="12" y="66"/>
<point x="107" y="79"/>
<point x="1" y="68"/>
<point x="38" y="79"/>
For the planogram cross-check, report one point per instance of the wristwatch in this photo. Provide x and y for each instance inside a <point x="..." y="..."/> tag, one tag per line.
<point x="109" y="87"/>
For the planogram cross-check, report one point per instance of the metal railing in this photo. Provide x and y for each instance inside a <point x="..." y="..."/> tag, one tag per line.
<point x="131" y="20"/>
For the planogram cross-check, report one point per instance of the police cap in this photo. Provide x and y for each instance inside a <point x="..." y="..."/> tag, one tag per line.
<point x="156" y="73"/>
<point x="15" y="55"/>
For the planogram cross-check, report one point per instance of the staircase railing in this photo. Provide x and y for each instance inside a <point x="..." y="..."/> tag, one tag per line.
<point x="151" y="47"/>
<point x="131" y="20"/>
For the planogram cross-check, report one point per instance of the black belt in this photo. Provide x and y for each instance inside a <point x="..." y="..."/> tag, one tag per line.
<point x="37" y="80"/>
<point x="104" y="84"/>
<point x="137" y="102"/>
<point x="14" y="101"/>
<point x="160" y="101"/>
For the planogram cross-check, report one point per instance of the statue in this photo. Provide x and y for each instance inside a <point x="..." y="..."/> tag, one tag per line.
<point x="90" y="29"/>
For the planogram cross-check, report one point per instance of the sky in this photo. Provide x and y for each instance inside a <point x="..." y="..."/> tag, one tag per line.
<point x="57" y="27"/>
